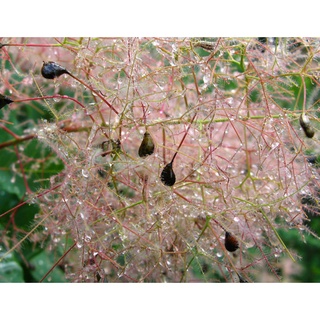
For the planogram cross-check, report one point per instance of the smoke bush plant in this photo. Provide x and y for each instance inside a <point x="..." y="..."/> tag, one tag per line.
<point x="228" y="108"/>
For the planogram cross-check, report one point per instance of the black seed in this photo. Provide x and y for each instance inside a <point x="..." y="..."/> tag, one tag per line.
<point x="102" y="173"/>
<point x="205" y="267"/>
<point x="241" y="280"/>
<point x="4" y="101"/>
<point x="168" y="177"/>
<point x="230" y="242"/>
<point x="306" y="126"/>
<point x="52" y="70"/>
<point x="147" y="146"/>
<point x="98" y="276"/>
<point x="262" y="39"/>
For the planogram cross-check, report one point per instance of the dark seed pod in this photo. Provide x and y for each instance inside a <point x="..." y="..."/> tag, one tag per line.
<point x="102" y="173"/>
<point x="147" y="146"/>
<point x="98" y="276"/>
<point x="306" y="126"/>
<point x="230" y="242"/>
<point x="4" y="101"/>
<point x="52" y="70"/>
<point x="241" y="280"/>
<point x="168" y="177"/>
<point x="263" y="41"/>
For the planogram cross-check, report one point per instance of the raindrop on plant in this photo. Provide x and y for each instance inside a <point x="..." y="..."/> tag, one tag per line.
<point x="57" y="99"/>
<point x="85" y="173"/>
<point x="219" y="254"/>
<point x="147" y="146"/>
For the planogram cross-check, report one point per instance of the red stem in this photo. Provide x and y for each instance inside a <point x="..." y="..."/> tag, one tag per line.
<point x="56" y="263"/>
<point x="22" y="171"/>
<point x="183" y="138"/>
<point x="44" y="45"/>
<point x="94" y="91"/>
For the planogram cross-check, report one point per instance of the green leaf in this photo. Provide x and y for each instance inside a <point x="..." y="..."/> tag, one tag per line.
<point x="42" y="263"/>
<point x="17" y="187"/>
<point x="10" y="270"/>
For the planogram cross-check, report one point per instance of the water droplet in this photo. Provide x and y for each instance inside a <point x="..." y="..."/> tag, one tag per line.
<point x="57" y="99"/>
<point x="85" y="173"/>
<point x="79" y="245"/>
<point x="206" y="78"/>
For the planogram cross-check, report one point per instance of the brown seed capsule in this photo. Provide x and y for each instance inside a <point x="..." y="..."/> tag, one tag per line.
<point x="206" y="45"/>
<point x="230" y="242"/>
<point x="52" y="70"/>
<point x="147" y="146"/>
<point x="306" y="126"/>
<point x="4" y="101"/>
<point x="168" y="177"/>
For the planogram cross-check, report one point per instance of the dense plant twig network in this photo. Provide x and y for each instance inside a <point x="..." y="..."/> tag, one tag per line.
<point x="236" y="117"/>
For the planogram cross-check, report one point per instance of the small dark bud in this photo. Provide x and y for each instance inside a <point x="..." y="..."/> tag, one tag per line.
<point x="241" y="280"/>
<point x="4" y="101"/>
<point x="52" y="70"/>
<point x="306" y="126"/>
<point x="230" y="242"/>
<point x="262" y="40"/>
<point x="147" y="146"/>
<point x="98" y="276"/>
<point x="168" y="177"/>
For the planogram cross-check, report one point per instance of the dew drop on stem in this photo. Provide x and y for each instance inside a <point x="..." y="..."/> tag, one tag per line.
<point x="85" y="173"/>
